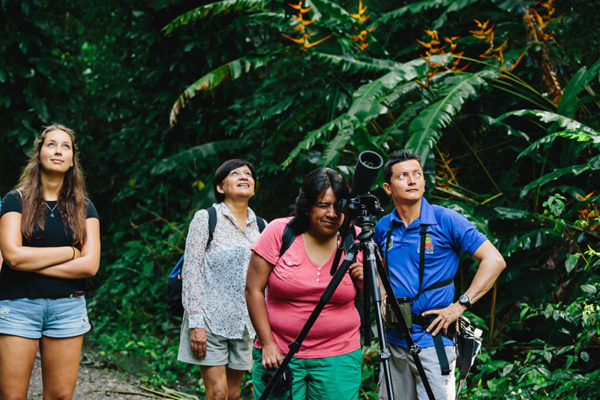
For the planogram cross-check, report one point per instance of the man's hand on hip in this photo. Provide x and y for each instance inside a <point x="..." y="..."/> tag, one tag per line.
<point x="445" y="317"/>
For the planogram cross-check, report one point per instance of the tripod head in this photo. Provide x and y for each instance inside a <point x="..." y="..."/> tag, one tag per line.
<point x="363" y="207"/>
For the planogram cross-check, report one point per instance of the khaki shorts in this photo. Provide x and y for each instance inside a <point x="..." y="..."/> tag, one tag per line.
<point x="233" y="353"/>
<point x="407" y="384"/>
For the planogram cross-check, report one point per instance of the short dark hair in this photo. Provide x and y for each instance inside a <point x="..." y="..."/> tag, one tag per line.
<point x="224" y="170"/>
<point x="314" y="185"/>
<point x="395" y="158"/>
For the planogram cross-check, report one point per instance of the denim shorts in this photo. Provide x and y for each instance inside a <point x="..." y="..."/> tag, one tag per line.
<point x="55" y="318"/>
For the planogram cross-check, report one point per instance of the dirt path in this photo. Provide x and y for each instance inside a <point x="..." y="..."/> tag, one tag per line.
<point x="94" y="384"/>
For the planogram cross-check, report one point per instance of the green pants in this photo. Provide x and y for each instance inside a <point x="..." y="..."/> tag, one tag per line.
<point x="326" y="378"/>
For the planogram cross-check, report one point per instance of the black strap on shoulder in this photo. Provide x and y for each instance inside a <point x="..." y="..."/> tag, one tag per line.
<point x="212" y="223"/>
<point x="423" y="234"/>
<point x="388" y="244"/>
<point x="262" y="224"/>
<point x="288" y="238"/>
<point x="436" y="285"/>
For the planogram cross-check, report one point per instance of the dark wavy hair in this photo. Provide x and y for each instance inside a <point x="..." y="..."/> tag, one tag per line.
<point x="313" y="187"/>
<point x="224" y="170"/>
<point x="71" y="198"/>
<point x="395" y="158"/>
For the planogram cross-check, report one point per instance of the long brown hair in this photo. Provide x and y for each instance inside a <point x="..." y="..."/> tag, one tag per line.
<point x="71" y="199"/>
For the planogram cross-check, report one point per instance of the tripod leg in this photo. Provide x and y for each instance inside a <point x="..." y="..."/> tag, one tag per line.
<point x="413" y="348"/>
<point x="384" y="354"/>
<point x="294" y="347"/>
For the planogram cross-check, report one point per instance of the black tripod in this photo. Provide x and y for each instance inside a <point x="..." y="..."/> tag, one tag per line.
<point x="370" y="262"/>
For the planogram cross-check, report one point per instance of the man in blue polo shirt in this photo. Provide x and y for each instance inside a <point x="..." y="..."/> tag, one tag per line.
<point x="429" y="290"/>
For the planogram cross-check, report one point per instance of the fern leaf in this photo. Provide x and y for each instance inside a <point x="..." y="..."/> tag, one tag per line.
<point x="232" y="70"/>
<point x="426" y="129"/>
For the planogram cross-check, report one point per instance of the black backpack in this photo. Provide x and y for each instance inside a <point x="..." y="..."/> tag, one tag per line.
<point x="174" y="284"/>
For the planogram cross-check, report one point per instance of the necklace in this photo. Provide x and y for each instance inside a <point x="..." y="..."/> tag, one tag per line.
<point x="51" y="209"/>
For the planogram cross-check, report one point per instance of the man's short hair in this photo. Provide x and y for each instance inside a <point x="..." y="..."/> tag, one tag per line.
<point x="395" y="158"/>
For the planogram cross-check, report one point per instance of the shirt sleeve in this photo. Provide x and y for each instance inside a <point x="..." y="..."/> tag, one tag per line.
<point x="12" y="203"/>
<point x="379" y="235"/>
<point x="91" y="209"/>
<point x="192" y="272"/>
<point x="466" y="237"/>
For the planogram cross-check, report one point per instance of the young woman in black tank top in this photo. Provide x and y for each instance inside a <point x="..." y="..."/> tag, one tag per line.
<point x="50" y="241"/>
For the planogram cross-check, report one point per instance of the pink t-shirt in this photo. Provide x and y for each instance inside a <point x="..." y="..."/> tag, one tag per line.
<point x="293" y="290"/>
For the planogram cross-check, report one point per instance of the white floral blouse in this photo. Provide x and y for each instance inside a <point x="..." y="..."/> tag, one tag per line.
<point x="214" y="280"/>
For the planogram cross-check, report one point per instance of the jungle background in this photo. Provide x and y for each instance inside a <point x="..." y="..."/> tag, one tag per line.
<point x="499" y="97"/>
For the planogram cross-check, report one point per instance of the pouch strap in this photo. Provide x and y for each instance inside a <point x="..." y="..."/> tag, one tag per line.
<point x="438" y="342"/>
<point x="441" y="353"/>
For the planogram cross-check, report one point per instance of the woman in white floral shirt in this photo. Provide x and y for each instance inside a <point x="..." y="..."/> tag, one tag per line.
<point x="216" y="332"/>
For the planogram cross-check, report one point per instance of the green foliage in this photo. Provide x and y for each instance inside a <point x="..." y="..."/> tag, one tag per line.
<point x="494" y="145"/>
<point x="427" y="127"/>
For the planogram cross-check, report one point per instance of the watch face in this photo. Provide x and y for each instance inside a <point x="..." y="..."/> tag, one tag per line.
<point x="464" y="299"/>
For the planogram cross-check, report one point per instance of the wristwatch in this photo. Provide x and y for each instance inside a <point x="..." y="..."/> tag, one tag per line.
<point x="465" y="301"/>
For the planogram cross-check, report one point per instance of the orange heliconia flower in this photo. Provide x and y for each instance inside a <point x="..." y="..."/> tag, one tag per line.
<point x="587" y="196"/>
<point x="361" y="39"/>
<point x="300" y="26"/>
<point x="590" y="213"/>
<point x="360" y="15"/>
<point x="434" y="46"/>
<point x="446" y="174"/>
<point x="486" y="33"/>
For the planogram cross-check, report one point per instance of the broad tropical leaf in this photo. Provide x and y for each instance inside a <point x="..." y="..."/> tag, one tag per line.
<point x="336" y="146"/>
<point x="568" y="103"/>
<point x="191" y="154"/>
<point x="413" y="8"/>
<point x="570" y="125"/>
<point x="368" y="98"/>
<point x="348" y="63"/>
<point x="216" y="8"/>
<point x="426" y="129"/>
<point x="548" y="117"/>
<point x="231" y="70"/>
<point x="311" y="138"/>
<point x="557" y="173"/>
<point x="456" y="5"/>
<point x="367" y="103"/>
<point x="337" y="16"/>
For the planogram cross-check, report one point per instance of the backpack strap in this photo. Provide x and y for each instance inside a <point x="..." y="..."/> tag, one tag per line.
<point x="212" y="223"/>
<point x="262" y="224"/>
<point x="287" y="238"/>
<point x="436" y="285"/>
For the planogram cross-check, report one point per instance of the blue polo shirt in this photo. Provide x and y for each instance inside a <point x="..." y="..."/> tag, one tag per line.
<point x="448" y="234"/>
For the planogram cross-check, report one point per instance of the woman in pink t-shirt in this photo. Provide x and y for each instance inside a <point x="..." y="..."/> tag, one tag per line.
<point x="328" y="364"/>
